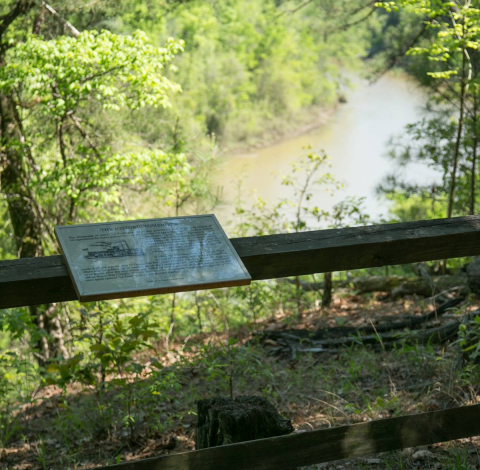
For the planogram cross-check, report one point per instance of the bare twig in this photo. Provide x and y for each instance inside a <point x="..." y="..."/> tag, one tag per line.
<point x="84" y="134"/>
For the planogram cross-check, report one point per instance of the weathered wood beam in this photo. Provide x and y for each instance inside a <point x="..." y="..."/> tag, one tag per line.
<point x="326" y="445"/>
<point x="44" y="280"/>
<point x="359" y="247"/>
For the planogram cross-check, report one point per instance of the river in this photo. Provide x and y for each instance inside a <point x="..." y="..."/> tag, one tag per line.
<point x="356" y="139"/>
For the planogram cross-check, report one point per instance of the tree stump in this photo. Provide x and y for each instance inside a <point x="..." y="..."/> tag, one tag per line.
<point x="225" y="421"/>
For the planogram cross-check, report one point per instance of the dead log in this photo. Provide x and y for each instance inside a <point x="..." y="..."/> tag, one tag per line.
<point x="294" y="342"/>
<point x="410" y="321"/>
<point x="377" y="283"/>
<point x="313" y="286"/>
<point x="399" y="286"/>
<point x="361" y="284"/>
<point x="433" y="335"/>
<point x="420" y="286"/>
<point x="224" y="421"/>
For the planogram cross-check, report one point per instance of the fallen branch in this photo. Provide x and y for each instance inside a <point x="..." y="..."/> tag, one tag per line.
<point x="410" y="321"/>
<point x="295" y="341"/>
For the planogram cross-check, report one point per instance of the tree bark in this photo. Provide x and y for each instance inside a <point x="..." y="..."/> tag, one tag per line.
<point x="463" y="87"/>
<point x="13" y="181"/>
<point x="15" y="158"/>
<point x="224" y="421"/>
<point x="26" y="224"/>
<point x="327" y="290"/>
<point x="474" y="154"/>
<point x="199" y="316"/>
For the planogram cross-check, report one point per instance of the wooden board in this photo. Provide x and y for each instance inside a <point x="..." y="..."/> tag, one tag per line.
<point x="116" y="260"/>
<point x="43" y="280"/>
<point x="326" y="445"/>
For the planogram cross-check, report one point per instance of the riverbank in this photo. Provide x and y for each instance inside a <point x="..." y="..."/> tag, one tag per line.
<point x="303" y="122"/>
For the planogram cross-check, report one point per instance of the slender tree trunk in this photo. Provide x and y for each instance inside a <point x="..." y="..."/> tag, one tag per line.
<point x="298" y="295"/>
<point x="199" y="316"/>
<point x="38" y="21"/>
<point x="327" y="290"/>
<point x="474" y="154"/>
<point x="252" y="305"/>
<point x="174" y="306"/>
<point x="458" y="141"/>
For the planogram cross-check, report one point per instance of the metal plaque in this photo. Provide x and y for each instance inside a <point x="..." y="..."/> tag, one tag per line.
<point x="143" y="257"/>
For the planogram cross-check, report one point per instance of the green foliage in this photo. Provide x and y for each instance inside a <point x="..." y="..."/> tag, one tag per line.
<point x="65" y="73"/>
<point x="59" y="83"/>
<point x="406" y="207"/>
<point x="228" y="364"/>
<point x="111" y="346"/>
<point x="447" y="61"/>
<point x="469" y="339"/>
<point x="248" y="66"/>
<point x="456" y="29"/>
<point x="18" y="387"/>
<point x="110" y="340"/>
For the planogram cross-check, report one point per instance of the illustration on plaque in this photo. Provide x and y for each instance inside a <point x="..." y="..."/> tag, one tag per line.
<point x="117" y="249"/>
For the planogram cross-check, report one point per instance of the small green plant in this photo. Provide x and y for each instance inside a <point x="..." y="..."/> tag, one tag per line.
<point x="18" y="387"/>
<point x="226" y="364"/>
<point x="458" y="460"/>
<point x="469" y="339"/>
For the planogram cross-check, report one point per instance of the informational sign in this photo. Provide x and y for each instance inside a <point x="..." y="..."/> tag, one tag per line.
<point x="143" y="257"/>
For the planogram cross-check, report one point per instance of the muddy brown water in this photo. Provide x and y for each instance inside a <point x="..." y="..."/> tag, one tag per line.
<point x="356" y="139"/>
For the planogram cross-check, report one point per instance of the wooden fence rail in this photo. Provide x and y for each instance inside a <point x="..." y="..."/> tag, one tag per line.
<point x="32" y="281"/>
<point x="325" y="445"/>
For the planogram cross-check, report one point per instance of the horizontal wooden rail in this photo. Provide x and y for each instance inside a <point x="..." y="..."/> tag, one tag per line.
<point x="32" y="281"/>
<point x="326" y="445"/>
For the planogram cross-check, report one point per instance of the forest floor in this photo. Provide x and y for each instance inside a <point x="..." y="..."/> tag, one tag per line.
<point x="77" y="427"/>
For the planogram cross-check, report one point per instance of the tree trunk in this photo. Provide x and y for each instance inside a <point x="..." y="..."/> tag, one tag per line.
<point x="199" y="316"/>
<point x="327" y="290"/>
<point x="26" y="224"/>
<point x="474" y="154"/>
<point x="15" y="158"/>
<point x="14" y="184"/>
<point x="298" y="295"/>
<point x="463" y="86"/>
